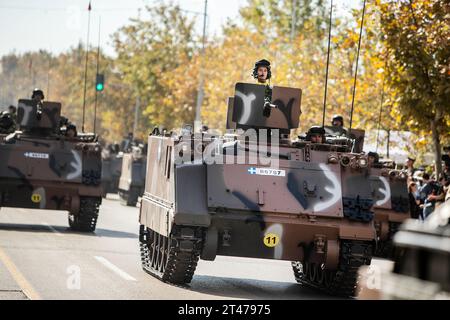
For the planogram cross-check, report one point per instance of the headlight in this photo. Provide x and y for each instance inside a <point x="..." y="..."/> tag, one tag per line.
<point x="362" y="162"/>
<point x="332" y="158"/>
<point x="345" y="161"/>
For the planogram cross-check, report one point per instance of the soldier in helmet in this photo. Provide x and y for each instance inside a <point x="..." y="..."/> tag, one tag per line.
<point x="71" y="130"/>
<point x="13" y="112"/>
<point x="316" y="134"/>
<point x="67" y="128"/>
<point x="374" y="158"/>
<point x="262" y="73"/>
<point x="8" y="120"/>
<point x="337" y="121"/>
<point x="37" y="95"/>
<point x="7" y="124"/>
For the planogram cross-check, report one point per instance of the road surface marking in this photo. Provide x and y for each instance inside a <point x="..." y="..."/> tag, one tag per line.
<point x="112" y="267"/>
<point x="23" y="283"/>
<point x="59" y="234"/>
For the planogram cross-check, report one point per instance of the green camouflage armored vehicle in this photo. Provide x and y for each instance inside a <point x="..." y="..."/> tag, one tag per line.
<point x="391" y="207"/>
<point x="256" y="193"/>
<point x="111" y="169"/>
<point x="43" y="168"/>
<point x="421" y="268"/>
<point x="132" y="177"/>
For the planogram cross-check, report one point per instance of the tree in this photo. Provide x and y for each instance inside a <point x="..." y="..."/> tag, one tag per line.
<point x="150" y="52"/>
<point x="417" y="37"/>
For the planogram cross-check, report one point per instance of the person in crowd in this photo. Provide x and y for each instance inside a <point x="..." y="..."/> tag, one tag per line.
<point x="410" y="169"/>
<point x="428" y="195"/>
<point x="413" y="201"/>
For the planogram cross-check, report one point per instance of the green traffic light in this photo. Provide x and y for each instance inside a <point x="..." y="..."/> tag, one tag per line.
<point x="99" y="87"/>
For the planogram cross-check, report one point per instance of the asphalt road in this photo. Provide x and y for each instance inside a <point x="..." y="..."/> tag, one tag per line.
<point x="41" y="258"/>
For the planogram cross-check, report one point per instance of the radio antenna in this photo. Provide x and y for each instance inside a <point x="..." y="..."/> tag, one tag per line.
<point x="328" y="64"/>
<point x="357" y="60"/>
<point x="381" y="106"/>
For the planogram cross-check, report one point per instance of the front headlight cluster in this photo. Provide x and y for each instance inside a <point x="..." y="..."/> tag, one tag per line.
<point x="349" y="160"/>
<point x="397" y="174"/>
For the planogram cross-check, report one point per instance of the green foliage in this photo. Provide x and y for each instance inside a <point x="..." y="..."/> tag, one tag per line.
<point x="148" y="52"/>
<point x="417" y="39"/>
<point x="405" y="54"/>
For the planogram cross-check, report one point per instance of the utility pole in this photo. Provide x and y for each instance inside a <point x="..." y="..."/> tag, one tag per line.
<point x="98" y="66"/>
<point x="294" y="19"/>
<point x="86" y="64"/>
<point x="200" y="93"/>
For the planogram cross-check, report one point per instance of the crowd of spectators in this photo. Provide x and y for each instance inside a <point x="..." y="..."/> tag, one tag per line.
<point x="426" y="190"/>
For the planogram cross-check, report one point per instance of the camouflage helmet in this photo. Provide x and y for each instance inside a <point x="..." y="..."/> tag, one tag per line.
<point x="262" y="63"/>
<point x="375" y="156"/>
<point x="6" y="120"/>
<point x="12" y="109"/>
<point x="337" y="117"/>
<point x="315" y="130"/>
<point x="36" y="92"/>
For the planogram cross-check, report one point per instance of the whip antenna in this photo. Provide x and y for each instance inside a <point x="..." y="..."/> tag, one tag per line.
<point x="328" y="63"/>
<point x="357" y="60"/>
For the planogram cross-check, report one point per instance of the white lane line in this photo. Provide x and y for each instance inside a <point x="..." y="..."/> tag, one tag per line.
<point x="112" y="267"/>
<point x="59" y="234"/>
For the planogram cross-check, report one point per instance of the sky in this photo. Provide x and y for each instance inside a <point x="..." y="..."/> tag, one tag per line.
<point x="56" y="25"/>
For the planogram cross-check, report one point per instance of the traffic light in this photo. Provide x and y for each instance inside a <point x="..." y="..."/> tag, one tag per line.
<point x="100" y="82"/>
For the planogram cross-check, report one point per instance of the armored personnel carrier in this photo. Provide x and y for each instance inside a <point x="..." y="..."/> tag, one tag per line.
<point x="421" y="262"/>
<point x="132" y="178"/>
<point x="391" y="207"/>
<point x="42" y="168"/>
<point x="111" y="169"/>
<point x="242" y="195"/>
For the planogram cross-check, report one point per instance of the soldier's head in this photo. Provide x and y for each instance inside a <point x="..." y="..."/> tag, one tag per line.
<point x="12" y="109"/>
<point x="71" y="131"/>
<point x="262" y="71"/>
<point x="337" y="121"/>
<point x="373" y="157"/>
<point x="37" y="95"/>
<point x="316" y="134"/>
<point x="410" y="161"/>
